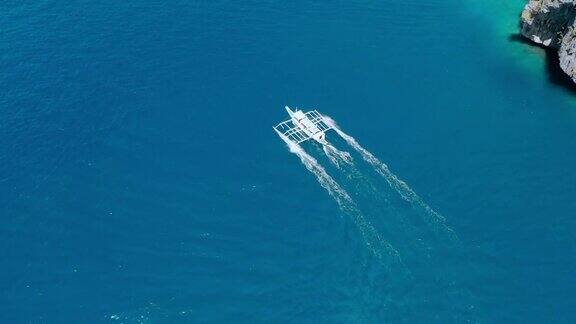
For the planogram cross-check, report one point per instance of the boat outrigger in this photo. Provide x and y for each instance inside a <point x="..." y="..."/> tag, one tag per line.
<point x="304" y="126"/>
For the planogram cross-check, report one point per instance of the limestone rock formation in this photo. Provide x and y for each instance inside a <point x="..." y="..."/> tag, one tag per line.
<point x="545" y="21"/>
<point x="551" y="23"/>
<point x="567" y="53"/>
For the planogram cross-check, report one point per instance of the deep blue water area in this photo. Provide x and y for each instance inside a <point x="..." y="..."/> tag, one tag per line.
<point x="141" y="180"/>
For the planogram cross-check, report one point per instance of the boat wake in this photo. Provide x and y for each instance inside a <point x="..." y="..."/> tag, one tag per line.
<point x="434" y="219"/>
<point x="325" y="180"/>
<point x="376" y="202"/>
<point x="336" y="156"/>
<point x="379" y="247"/>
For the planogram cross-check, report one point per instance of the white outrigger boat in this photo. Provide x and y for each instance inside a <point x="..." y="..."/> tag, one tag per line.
<point x="304" y="126"/>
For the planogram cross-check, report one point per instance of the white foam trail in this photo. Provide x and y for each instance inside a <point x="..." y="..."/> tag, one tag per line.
<point x="382" y="249"/>
<point x="325" y="180"/>
<point x="400" y="186"/>
<point x="330" y="156"/>
<point x="336" y="156"/>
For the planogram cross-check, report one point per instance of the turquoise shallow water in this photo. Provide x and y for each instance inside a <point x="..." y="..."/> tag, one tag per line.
<point x="141" y="182"/>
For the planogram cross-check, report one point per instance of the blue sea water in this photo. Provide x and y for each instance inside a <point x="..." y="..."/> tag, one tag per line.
<point x="141" y="182"/>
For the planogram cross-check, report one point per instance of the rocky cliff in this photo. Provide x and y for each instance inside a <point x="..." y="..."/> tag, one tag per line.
<point x="551" y="23"/>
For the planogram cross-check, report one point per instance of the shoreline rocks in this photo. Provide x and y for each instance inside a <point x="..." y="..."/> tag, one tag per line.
<point x="551" y="23"/>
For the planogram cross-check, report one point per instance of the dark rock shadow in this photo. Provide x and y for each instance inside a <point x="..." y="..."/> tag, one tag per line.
<point x="555" y="74"/>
